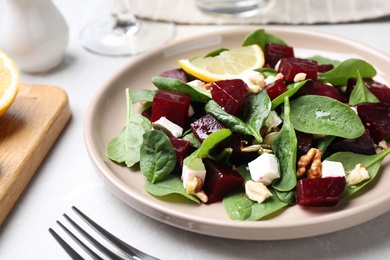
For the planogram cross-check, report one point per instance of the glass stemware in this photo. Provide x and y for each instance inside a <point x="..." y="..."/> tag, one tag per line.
<point x="124" y="34"/>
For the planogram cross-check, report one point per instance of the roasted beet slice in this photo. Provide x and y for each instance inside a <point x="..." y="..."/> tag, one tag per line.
<point x="320" y="89"/>
<point x="276" y="88"/>
<point x="236" y="142"/>
<point x="274" y="52"/>
<point x="220" y="181"/>
<point x="147" y="113"/>
<point x="376" y="118"/>
<point x="319" y="192"/>
<point x="305" y="142"/>
<point x="290" y="67"/>
<point x="182" y="149"/>
<point x="230" y="94"/>
<point x="363" y="144"/>
<point x="175" y="74"/>
<point x="325" y="67"/>
<point x="381" y="91"/>
<point x="205" y="126"/>
<point x="172" y="105"/>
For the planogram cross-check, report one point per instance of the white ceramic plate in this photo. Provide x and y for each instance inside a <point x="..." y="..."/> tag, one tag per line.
<point x="106" y="117"/>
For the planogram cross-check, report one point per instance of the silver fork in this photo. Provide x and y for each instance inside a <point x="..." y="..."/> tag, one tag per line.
<point x="130" y="251"/>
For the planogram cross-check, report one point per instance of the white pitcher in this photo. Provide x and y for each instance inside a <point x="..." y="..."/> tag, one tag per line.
<point x="34" y="33"/>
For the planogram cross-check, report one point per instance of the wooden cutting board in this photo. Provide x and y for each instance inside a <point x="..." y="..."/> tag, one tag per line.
<point x="27" y="131"/>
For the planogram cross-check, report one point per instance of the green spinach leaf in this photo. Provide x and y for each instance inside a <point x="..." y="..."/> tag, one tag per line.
<point x="291" y="90"/>
<point x="215" y="53"/>
<point x="325" y="116"/>
<point x="143" y="95"/>
<point x="158" y="157"/>
<point x="339" y="75"/>
<point x="261" y="38"/>
<point x="285" y="150"/>
<point x="324" y="60"/>
<point x="125" y="148"/>
<point x="361" y="94"/>
<point x="169" y="185"/>
<point x="196" y="94"/>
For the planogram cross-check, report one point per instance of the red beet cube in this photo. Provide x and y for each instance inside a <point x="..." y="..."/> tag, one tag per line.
<point x="381" y="91"/>
<point x="172" y="105"/>
<point x="230" y="94"/>
<point x="305" y="142"/>
<point x="325" y="67"/>
<point x="274" y="52"/>
<point x="290" y="67"/>
<point x="175" y="74"/>
<point x="363" y="144"/>
<point x="205" y="126"/>
<point x="319" y="192"/>
<point x="220" y="181"/>
<point x="376" y="118"/>
<point x="182" y="149"/>
<point x="320" y="89"/>
<point x="276" y="88"/>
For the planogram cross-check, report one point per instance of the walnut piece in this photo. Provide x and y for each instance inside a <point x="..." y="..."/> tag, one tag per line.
<point x="257" y="191"/>
<point x="194" y="187"/>
<point x="310" y="164"/>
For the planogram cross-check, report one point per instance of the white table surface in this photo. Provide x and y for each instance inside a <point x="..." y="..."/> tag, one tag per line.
<point x="67" y="176"/>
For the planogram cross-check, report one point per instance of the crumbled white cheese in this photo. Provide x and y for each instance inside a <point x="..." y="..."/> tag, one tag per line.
<point x="273" y="120"/>
<point x="264" y="168"/>
<point x="257" y="191"/>
<point x="193" y="169"/>
<point x="271" y="79"/>
<point x="253" y="79"/>
<point x="332" y="169"/>
<point x="299" y="77"/>
<point x="277" y="65"/>
<point x="168" y="125"/>
<point x="191" y="111"/>
<point x="358" y="175"/>
<point x="196" y="83"/>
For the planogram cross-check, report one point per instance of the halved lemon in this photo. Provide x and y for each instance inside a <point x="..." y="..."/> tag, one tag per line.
<point x="9" y="82"/>
<point x="227" y="65"/>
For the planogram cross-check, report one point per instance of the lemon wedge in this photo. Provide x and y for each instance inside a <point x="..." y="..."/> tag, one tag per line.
<point x="227" y="65"/>
<point x="9" y="82"/>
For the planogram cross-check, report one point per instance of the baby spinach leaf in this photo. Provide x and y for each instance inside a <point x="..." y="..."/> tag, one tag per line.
<point x="285" y="150"/>
<point x="324" y="60"/>
<point x="196" y="94"/>
<point x="261" y="38"/>
<point x="267" y="72"/>
<point x="208" y="144"/>
<point x="323" y="143"/>
<point x="234" y="123"/>
<point x="158" y="157"/>
<point x="192" y="139"/>
<point x="143" y="95"/>
<point x="349" y="161"/>
<point x="291" y="90"/>
<point x="340" y="74"/>
<point x="125" y="148"/>
<point x="215" y="53"/>
<point x="169" y="185"/>
<point x="256" y="111"/>
<point x="325" y="116"/>
<point x="286" y="196"/>
<point x="239" y="207"/>
<point x="361" y="94"/>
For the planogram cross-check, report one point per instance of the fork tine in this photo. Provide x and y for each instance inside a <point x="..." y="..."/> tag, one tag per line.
<point x="72" y="253"/>
<point x="135" y="253"/>
<point x="78" y="241"/>
<point x="96" y="243"/>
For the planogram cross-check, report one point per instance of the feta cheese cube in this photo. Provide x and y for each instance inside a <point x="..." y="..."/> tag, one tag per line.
<point x="257" y="191"/>
<point x="168" y="125"/>
<point x="332" y="169"/>
<point x="264" y="169"/>
<point x="193" y="169"/>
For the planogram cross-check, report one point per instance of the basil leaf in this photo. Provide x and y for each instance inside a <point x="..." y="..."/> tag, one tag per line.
<point x="350" y="160"/>
<point x="361" y="94"/>
<point x="339" y="75"/>
<point x="325" y="116"/>
<point x="234" y="123"/>
<point x="125" y="148"/>
<point x="196" y="94"/>
<point x="167" y="186"/>
<point x="158" y="157"/>
<point x="291" y="90"/>
<point x="285" y="150"/>
<point x="239" y="207"/>
<point x="256" y="111"/>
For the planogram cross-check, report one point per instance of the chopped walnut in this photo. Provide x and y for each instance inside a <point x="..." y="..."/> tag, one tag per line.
<point x="194" y="187"/>
<point x="207" y="87"/>
<point x="357" y="175"/>
<point x="257" y="191"/>
<point x="310" y="164"/>
<point x="300" y="77"/>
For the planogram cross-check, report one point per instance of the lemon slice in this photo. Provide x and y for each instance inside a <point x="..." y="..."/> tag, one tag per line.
<point x="9" y="82"/>
<point x="227" y="65"/>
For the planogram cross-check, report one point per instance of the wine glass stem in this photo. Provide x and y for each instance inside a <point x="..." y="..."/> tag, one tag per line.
<point x="125" y="20"/>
